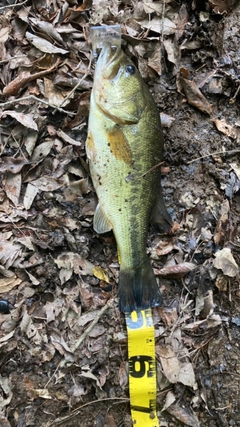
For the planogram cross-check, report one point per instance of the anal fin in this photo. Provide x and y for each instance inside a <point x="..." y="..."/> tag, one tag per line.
<point x="100" y="223"/>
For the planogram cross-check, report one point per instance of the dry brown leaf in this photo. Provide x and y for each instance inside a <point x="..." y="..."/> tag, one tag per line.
<point x="166" y="120"/>
<point x="185" y="415"/>
<point x="97" y="331"/>
<point x="225" y="128"/>
<point x="90" y="375"/>
<point x="44" y="45"/>
<point x="68" y="139"/>
<point x="236" y="167"/>
<point x="11" y="164"/>
<point x="186" y="375"/>
<point x="223" y="223"/>
<point x="27" y="326"/>
<point x="170" y="363"/>
<point x="6" y="393"/>
<point x="100" y="273"/>
<point x="13" y="186"/>
<point x="41" y="151"/>
<point x="3" y="421"/>
<point x="54" y="95"/>
<point x="7" y="337"/>
<point x="222" y="6"/>
<point x="159" y="25"/>
<point x="173" y="53"/>
<point x="224" y="261"/>
<point x="47" y="28"/>
<point x="8" y="283"/>
<point x="30" y="194"/>
<point x="151" y="7"/>
<point x="73" y="260"/>
<point x="41" y="392"/>
<point x="170" y="399"/>
<point x="194" y="95"/>
<point x="47" y="183"/>
<point x="123" y="375"/>
<point x="25" y="119"/>
<point x="176" y="271"/>
<point x="8" y="251"/>
<point x="221" y="282"/>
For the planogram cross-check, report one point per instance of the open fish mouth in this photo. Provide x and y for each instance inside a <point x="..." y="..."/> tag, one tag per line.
<point x="108" y="61"/>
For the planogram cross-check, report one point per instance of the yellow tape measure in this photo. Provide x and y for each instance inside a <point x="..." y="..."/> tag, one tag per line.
<point x="142" y="368"/>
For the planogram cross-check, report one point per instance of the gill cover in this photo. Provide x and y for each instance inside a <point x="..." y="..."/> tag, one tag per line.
<point x="118" y="87"/>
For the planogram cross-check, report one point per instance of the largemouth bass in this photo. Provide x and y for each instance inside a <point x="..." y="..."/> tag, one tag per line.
<point x="124" y="147"/>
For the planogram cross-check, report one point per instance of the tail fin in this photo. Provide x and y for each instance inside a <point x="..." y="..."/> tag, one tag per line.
<point x="138" y="289"/>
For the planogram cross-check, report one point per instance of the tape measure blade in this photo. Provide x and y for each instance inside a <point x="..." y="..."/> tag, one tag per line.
<point x="142" y="368"/>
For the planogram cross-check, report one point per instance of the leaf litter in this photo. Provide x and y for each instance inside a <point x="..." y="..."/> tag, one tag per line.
<point x="63" y="341"/>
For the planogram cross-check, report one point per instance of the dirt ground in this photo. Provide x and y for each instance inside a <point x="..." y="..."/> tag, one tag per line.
<point x="57" y="276"/>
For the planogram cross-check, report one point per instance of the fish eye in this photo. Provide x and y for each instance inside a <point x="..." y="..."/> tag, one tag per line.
<point x="130" y="69"/>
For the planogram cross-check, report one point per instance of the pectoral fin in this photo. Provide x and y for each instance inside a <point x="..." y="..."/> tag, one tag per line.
<point x="160" y="218"/>
<point x="100" y="222"/>
<point x="119" y="145"/>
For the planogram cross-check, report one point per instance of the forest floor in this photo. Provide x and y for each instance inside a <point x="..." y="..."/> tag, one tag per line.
<point x="57" y="275"/>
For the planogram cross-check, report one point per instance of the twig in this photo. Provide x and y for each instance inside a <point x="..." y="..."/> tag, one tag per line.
<point x="84" y="335"/>
<point x="32" y="97"/>
<point x="78" y="84"/>
<point x="237" y="150"/>
<point x="75" y="88"/>
<point x="94" y="322"/>
<point x="150" y="170"/>
<point x="76" y="411"/>
<point x="13" y="5"/>
<point x="10" y="59"/>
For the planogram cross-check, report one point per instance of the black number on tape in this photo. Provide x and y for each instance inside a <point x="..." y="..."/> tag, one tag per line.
<point x="139" y="366"/>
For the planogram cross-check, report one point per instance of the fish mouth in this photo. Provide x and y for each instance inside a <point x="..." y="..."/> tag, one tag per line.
<point x="108" y="61"/>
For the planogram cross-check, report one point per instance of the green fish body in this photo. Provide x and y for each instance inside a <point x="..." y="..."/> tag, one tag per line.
<point x="124" y="148"/>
